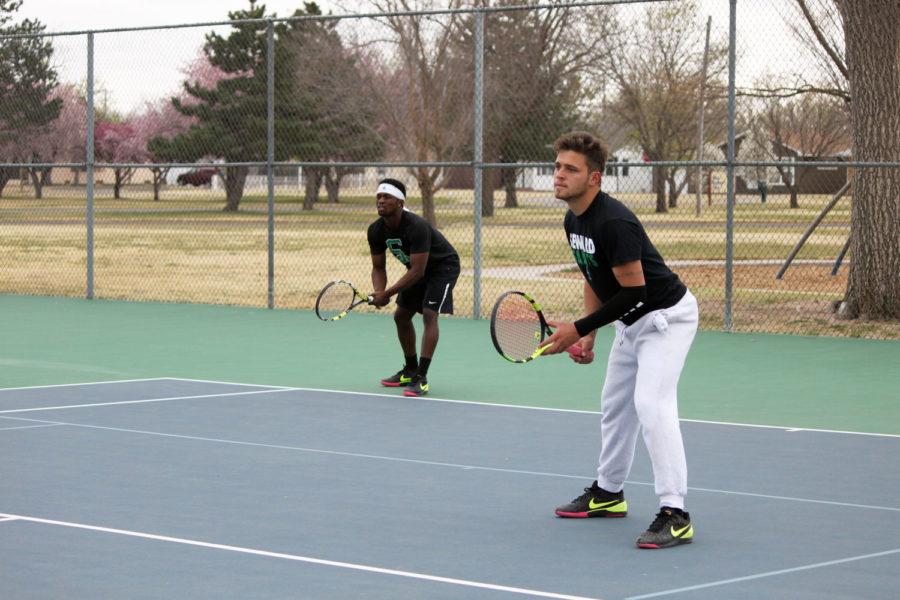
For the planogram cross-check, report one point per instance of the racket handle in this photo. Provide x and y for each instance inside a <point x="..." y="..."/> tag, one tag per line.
<point x="370" y="299"/>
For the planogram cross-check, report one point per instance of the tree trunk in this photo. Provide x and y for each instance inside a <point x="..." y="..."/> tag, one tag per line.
<point x="235" y="178"/>
<point x="792" y="186"/>
<point x="46" y="176"/>
<point x="508" y="181"/>
<point x="672" y="189"/>
<point x="159" y="176"/>
<point x="872" y="39"/>
<point x="427" y="189"/>
<point x="332" y="185"/>
<point x="659" y="186"/>
<point x="37" y="183"/>
<point x="6" y="174"/>
<point x="122" y="176"/>
<point x="311" y="187"/>
<point x="76" y="176"/>
<point x="487" y="192"/>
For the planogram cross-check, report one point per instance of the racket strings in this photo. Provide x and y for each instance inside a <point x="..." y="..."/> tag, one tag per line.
<point x="517" y="327"/>
<point x="334" y="300"/>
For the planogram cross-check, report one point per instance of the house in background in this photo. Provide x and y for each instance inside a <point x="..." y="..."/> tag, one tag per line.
<point x="799" y="169"/>
<point x="616" y="178"/>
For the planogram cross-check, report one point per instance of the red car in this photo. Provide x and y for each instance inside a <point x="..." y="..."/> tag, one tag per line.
<point x="197" y="177"/>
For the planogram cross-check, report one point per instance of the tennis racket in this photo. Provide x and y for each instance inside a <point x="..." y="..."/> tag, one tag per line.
<point x="337" y="299"/>
<point x="518" y="328"/>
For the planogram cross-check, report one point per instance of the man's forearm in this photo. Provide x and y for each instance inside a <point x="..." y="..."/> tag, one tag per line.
<point x="626" y="300"/>
<point x="591" y="305"/>
<point x="409" y="278"/>
<point x="379" y="279"/>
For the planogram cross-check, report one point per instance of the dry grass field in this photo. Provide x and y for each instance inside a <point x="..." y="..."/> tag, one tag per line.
<point x="183" y="248"/>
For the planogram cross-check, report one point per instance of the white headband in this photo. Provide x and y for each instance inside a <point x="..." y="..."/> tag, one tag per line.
<point x="386" y="188"/>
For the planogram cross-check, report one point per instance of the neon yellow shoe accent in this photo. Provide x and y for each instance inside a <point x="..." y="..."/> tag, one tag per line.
<point x="680" y="533"/>
<point x="613" y="506"/>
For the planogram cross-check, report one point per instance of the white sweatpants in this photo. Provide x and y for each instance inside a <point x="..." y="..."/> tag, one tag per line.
<point x="640" y="391"/>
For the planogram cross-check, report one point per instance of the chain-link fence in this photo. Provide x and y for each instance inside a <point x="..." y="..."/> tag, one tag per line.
<point x="236" y="162"/>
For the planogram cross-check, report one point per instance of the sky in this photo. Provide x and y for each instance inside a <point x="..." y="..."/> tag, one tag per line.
<point x="136" y="68"/>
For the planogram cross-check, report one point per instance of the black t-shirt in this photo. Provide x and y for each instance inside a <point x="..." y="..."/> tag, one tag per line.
<point x="414" y="236"/>
<point x="607" y="235"/>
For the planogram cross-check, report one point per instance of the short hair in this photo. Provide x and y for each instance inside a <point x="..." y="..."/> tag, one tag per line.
<point x="591" y="146"/>
<point x="396" y="183"/>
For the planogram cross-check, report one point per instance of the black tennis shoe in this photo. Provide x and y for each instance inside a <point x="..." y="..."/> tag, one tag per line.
<point x="417" y="387"/>
<point x="595" y="502"/>
<point x="670" y="528"/>
<point x="400" y="378"/>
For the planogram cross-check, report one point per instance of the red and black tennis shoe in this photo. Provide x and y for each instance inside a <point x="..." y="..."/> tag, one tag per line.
<point x="671" y="527"/>
<point x="417" y="387"/>
<point x="595" y="502"/>
<point x="398" y="379"/>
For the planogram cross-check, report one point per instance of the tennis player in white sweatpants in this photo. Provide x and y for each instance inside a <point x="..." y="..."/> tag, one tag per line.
<point x="626" y="282"/>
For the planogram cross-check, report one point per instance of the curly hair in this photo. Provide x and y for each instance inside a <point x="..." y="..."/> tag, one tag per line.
<point x="592" y="147"/>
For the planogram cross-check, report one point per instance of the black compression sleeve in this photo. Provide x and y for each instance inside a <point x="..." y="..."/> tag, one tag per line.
<point x="626" y="300"/>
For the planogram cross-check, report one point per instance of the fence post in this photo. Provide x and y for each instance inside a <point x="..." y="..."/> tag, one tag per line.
<point x="89" y="165"/>
<point x="477" y="160"/>
<point x="699" y="173"/>
<point x="270" y="155"/>
<point x="729" y="168"/>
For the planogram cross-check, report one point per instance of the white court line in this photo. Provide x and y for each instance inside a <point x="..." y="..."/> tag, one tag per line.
<point x="441" y="464"/>
<point x="394" y="396"/>
<point x="30" y="426"/>
<point x="259" y="385"/>
<point x="56" y="385"/>
<point x="305" y="559"/>
<point x="561" y="410"/>
<point x="7" y="518"/>
<point x="94" y="404"/>
<point x="763" y="575"/>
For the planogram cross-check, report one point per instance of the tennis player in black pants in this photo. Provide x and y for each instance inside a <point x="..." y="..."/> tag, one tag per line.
<point x="427" y="286"/>
<point x="655" y="315"/>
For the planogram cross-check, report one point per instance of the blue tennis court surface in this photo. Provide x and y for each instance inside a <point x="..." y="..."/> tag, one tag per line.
<point x="173" y="488"/>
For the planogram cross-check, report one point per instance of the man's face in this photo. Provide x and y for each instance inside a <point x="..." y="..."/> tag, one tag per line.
<point x="572" y="176"/>
<point x="387" y="205"/>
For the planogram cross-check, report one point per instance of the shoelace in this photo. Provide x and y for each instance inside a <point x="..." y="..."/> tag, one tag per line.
<point x="660" y="522"/>
<point x="588" y="492"/>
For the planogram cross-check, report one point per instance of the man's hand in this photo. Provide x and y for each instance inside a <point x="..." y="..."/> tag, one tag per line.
<point x="380" y="299"/>
<point x="582" y="352"/>
<point x="565" y="336"/>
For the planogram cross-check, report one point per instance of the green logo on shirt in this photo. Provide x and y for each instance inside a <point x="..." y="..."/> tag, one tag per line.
<point x="396" y="247"/>
<point x="584" y="259"/>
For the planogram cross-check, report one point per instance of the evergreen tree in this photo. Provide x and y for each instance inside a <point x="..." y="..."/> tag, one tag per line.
<point x="27" y="80"/>
<point x="231" y="116"/>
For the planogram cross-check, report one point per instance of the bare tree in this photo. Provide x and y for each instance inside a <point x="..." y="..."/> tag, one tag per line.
<point x="657" y="75"/>
<point x="549" y="49"/>
<point x="341" y="123"/>
<point x="809" y="127"/>
<point x="857" y="47"/>
<point x="422" y="99"/>
<point x="872" y="39"/>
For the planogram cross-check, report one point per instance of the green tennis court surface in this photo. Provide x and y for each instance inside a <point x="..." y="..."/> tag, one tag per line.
<point x="828" y="383"/>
